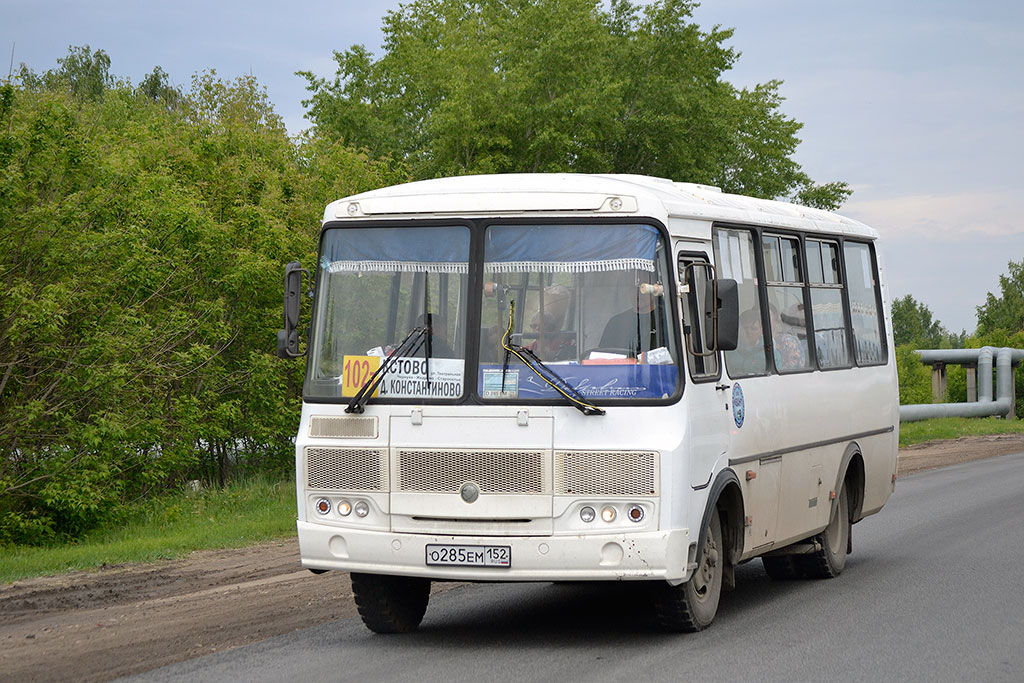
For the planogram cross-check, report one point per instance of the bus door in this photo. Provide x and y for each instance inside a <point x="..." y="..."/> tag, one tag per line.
<point x="706" y="398"/>
<point x="756" y="427"/>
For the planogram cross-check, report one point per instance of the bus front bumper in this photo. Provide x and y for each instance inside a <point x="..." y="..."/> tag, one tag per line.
<point x="605" y="557"/>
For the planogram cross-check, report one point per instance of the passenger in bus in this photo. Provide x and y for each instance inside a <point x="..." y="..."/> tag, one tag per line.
<point x="552" y="344"/>
<point x="748" y="358"/>
<point x="635" y="330"/>
<point x="491" y="350"/>
<point x="790" y="351"/>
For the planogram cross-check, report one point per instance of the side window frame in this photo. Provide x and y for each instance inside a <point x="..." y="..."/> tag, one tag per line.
<point x="844" y="300"/>
<point x="689" y="331"/>
<point x="757" y="265"/>
<point x="879" y="310"/>
<point x="801" y="284"/>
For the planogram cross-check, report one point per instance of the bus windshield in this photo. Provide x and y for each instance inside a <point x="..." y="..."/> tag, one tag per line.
<point x="588" y="300"/>
<point x="376" y="285"/>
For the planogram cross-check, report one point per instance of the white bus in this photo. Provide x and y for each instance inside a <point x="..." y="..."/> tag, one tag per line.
<point x="587" y="378"/>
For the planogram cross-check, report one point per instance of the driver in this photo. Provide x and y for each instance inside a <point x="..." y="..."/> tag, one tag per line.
<point x="637" y="329"/>
<point x="552" y="344"/>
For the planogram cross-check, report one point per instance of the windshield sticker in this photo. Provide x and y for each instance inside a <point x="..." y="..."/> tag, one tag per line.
<point x="356" y="372"/>
<point x="591" y="381"/>
<point x="407" y="378"/>
<point x="498" y="384"/>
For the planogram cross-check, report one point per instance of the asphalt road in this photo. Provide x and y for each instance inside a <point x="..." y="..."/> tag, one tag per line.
<point x="933" y="591"/>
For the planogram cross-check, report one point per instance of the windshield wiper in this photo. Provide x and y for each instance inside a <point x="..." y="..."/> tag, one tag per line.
<point x="410" y="345"/>
<point x="566" y="390"/>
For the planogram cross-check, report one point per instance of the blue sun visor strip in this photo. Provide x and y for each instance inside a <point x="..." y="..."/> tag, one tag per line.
<point x="569" y="248"/>
<point x="397" y="250"/>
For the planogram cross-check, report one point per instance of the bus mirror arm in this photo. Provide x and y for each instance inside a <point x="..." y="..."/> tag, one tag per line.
<point x="288" y="338"/>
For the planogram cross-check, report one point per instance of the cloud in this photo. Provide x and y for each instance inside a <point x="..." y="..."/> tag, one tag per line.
<point x="954" y="217"/>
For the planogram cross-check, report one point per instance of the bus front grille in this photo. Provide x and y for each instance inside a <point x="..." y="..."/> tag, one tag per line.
<point x="347" y="469"/>
<point x="606" y="473"/>
<point x="494" y="471"/>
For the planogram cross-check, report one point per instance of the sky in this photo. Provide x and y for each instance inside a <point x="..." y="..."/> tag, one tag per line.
<point x="917" y="104"/>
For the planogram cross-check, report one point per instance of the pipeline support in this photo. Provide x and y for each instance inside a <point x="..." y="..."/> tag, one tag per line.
<point x="979" y="363"/>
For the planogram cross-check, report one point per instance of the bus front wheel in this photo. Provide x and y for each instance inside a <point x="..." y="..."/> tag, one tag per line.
<point x="692" y="606"/>
<point x="390" y="604"/>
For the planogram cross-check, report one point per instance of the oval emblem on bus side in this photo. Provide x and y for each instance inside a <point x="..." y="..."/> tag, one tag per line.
<point x="738" y="409"/>
<point x="469" y="492"/>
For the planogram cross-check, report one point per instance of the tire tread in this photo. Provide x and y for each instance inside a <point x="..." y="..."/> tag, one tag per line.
<point x="390" y="604"/>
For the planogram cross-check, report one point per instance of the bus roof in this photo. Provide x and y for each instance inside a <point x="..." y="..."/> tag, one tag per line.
<point x="561" y="194"/>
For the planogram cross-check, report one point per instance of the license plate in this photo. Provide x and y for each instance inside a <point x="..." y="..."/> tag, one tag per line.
<point x="469" y="555"/>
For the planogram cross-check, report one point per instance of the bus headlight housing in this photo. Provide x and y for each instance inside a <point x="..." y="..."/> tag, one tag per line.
<point x="587" y="514"/>
<point x="635" y="513"/>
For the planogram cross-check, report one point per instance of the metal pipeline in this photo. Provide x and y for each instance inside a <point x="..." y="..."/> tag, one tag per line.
<point x="1005" y="359"/>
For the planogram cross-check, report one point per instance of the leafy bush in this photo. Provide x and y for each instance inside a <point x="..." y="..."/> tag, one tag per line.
<point x="915" y="378"/>
<point x="143" y="237"/>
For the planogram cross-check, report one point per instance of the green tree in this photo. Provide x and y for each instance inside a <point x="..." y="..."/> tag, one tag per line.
<point x="141" y="253"/>
<point x="1006" y="312"/>
<point x="85" y="74"/>
<point x="914" y="377"/>
<point x="913" y="324"/>
<point x="157" y="87"/>
<point x="503" y="86"/>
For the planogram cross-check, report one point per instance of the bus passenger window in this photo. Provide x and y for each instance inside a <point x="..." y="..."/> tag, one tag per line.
<point x="787" y="316"/>
<point x="868" y="341"/>
<point x="734" y="254"/>
<point x="827" y="314"/>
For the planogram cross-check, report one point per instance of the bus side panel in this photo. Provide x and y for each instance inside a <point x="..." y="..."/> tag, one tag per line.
<point x="809" y="419"/>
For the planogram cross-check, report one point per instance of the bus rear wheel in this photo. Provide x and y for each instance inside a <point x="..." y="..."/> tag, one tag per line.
<point x="390" y="604"/>
<point x="829" y="560"/>
<point x="692" y="606"/>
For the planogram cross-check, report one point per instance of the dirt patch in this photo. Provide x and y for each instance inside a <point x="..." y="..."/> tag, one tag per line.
<point x="120" y="620"/>
<point x="932" y="454"/>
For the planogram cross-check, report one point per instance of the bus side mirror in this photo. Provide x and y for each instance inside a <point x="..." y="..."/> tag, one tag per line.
<point x="288" y="338"/>
<point x="722" y="301"/>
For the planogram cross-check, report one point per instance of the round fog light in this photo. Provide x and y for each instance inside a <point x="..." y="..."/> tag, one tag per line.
<point x="323" y="506"/>
<point x="361" y="508"/>
<point x="344" y="507"/>
<point x="635" y="513"/>
<point x="587" y="514"/>
<point x="608" y="513"/>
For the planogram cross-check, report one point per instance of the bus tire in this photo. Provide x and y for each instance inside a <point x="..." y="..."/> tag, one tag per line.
<point x="828" y="561"/>
<point x="390" y="604"/>
<point x="692" y="606"/>
<point x="782" y="567"/>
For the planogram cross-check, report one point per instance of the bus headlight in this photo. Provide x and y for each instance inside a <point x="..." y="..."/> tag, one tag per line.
<point x="608" y="513"/>
<point x="587" y="514"/>
<point x="361" y="508"/>
<point x="635" y="513"/>
<point x="344" y="508"/>
<point x="323" y="506"/>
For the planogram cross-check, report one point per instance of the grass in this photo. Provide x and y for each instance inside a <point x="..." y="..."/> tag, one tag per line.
<point x="955" y="427"/>
<point x="242" y="514"/>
